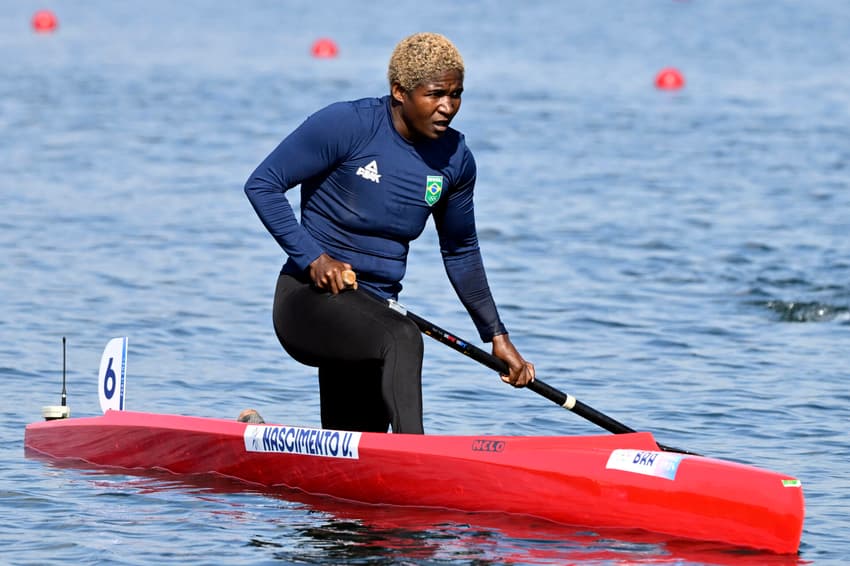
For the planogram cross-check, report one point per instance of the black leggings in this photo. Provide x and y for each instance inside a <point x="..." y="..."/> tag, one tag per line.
<point x="369" y="356"/>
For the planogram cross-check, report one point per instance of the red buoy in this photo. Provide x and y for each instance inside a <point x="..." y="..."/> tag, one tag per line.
<point x="669" y="79"/>
<point x="324" y="48"/>
<point x="44" y="21"/>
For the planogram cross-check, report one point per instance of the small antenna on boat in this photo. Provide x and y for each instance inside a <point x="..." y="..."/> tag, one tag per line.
<point x="55" y="412"/>
<point x="64" y="393"/>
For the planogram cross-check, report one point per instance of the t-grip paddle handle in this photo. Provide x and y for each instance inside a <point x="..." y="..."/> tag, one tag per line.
<point x="350" y="279"/>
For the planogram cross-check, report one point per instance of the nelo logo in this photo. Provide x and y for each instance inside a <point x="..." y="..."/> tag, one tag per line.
<point x="482" y="445"/>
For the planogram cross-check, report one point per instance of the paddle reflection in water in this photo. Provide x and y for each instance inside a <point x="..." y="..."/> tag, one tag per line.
<point x="289" y="525"/>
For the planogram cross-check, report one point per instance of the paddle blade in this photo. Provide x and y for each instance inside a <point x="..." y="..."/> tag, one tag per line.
<point x="111" y="384"/>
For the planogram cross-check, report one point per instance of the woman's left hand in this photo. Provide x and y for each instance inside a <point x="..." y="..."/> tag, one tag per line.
<point x="521" y="371"/>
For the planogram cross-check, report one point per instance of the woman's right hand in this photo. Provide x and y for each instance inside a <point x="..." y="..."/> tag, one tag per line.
<point x="327" y="274"/>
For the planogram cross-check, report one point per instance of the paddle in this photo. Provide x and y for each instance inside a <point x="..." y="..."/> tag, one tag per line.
<point x="538" y="386"/>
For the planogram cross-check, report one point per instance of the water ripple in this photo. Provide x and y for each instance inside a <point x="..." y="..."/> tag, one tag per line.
<point x="646" y="249"/>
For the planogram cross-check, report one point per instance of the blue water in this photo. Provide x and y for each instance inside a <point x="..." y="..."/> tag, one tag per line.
<point x="677" y="260"/>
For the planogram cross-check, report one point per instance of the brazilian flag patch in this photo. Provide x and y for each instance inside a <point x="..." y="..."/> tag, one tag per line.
<point x="433" y="188"/>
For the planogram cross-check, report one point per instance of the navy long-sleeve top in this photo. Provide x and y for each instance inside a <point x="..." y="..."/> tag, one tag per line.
<point x="366" y="193"/>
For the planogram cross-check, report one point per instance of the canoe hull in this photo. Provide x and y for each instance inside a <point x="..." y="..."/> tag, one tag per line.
<point x="611" y="481"/>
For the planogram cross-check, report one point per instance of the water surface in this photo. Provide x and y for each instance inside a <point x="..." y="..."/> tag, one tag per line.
<point x="678" y="261"/>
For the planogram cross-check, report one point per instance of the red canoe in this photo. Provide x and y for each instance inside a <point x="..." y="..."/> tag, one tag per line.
<point x="621" y="481"/>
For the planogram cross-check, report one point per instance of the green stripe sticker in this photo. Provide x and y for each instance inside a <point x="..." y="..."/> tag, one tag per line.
<point x="792" y="483"/>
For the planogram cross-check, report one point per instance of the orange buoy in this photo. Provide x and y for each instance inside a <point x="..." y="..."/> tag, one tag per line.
<point x="325" y="48"/>
<point x="669" y="79"/>
<point x="44" y="21"/>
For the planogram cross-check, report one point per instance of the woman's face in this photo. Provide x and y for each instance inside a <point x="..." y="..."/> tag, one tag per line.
<point x="428" y="109"/>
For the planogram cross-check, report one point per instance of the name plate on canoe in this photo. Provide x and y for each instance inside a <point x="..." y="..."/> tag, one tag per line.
<point x="302" y="440"/>
<point x="646" y="462"/>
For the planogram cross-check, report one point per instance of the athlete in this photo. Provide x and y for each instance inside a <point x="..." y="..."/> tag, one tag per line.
<point x="372" y="171"/>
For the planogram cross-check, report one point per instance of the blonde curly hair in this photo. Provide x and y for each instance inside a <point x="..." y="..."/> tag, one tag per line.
<point x="420" y="57"/>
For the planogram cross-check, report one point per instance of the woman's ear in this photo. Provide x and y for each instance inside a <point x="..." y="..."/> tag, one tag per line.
<point x="398" y="93"/>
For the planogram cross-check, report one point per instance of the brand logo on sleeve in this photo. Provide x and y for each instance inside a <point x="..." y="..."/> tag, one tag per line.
<point x="433" y="188"/>
<point x="370" y="172"/>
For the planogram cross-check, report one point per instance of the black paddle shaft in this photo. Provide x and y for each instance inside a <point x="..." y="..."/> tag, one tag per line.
<point x="538" y="386"/>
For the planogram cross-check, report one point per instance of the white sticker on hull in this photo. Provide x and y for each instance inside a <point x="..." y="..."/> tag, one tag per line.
<point x="646" y="462"/>
<point x="300" y="440"/>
